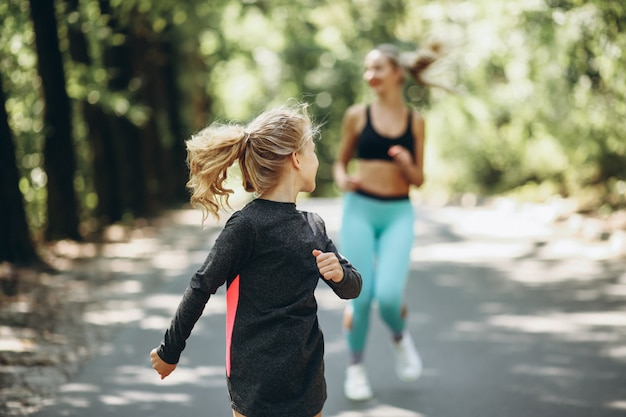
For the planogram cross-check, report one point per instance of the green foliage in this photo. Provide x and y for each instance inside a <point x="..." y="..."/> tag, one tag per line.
<point x="18" y="62"/>
<point x="545" y="97"/>
<point x="544" y="87"/>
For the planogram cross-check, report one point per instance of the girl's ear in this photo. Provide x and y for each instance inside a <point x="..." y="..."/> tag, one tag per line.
<point x="295" y="160"/>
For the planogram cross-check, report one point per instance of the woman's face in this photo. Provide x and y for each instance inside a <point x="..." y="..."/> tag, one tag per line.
<point x="380" y="73"/>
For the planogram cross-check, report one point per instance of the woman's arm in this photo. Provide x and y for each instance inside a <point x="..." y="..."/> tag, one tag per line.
<point x="412" y="166"/>
<point x="347" y="148"/>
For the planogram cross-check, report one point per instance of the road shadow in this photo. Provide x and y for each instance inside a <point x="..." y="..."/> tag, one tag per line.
<point x="508" y="320"/>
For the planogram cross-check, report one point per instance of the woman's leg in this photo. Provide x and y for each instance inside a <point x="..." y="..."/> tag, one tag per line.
<point x="393" y="264"/>
<point x="392" y="271"/>
<point x="357" y="242"/>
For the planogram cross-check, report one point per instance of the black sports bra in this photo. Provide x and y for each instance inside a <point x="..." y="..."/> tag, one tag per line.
<point x="372" y="145"/>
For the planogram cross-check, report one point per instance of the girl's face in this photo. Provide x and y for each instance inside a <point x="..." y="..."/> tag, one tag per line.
<point x="380" y="73"/>
<point x="309" y="164"/>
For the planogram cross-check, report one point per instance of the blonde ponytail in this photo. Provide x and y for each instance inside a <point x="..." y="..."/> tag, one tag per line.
<point x="260" y="149"/>
<point x="210" y="153"/>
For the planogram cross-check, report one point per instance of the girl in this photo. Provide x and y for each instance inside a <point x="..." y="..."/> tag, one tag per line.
<point x="387" y="139"/>
<point x="271" y="256"/>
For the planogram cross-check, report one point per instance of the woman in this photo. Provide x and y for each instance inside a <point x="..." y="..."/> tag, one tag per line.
<point x="387" y="139"/>
<point x="271" y="257"/>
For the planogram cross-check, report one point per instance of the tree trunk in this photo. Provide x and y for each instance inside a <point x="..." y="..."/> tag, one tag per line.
<point x="177" y="154"/>
<point x="16" y="245"/>
<point x="125" y="136"/>
<point x="155" y="132"/>
<point x="106" y="169"/>
<point x="60" y="160"/>
<point x="105" y="164"/>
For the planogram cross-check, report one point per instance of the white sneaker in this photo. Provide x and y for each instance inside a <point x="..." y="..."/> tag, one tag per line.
<point x="408" y="361"/>
<point x="356" y="387"/>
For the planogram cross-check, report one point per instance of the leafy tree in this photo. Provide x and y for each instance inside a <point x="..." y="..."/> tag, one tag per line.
<point x="544" y="93"/>
<point x="544" y="98"/>
<point x="16" y="245"/>
<point x="59" y="157"/>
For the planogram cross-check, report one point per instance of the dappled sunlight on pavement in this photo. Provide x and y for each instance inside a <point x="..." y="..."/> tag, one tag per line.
<point x="617" y="405"/>
<point x="380" y="411"/>
<point x="469" y="252"/>
<point x="114" y="313"/>
<point x="512" y="317"/>
<point x="198" y="375"/>
<point x="575" y="323"/>
<point x="133" y="397"/>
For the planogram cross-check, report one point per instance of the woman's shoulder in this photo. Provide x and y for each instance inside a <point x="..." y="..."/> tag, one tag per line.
<point x="355" y="116"/>
<point x="356" y="111"/>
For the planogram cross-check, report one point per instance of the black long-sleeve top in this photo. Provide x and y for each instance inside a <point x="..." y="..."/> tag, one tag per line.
<point x="275" y="348"/>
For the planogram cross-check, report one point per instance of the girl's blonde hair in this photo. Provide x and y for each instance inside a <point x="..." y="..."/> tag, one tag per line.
<point x="261" y="149"/>
<point x="417" y="62"/>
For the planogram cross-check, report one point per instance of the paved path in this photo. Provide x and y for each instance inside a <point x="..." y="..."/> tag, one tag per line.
<point x="512" y="317"/>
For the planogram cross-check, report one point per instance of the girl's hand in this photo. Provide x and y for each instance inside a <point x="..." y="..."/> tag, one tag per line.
<point x="328" y="265"/>
<point x="159" y="365"/>
<point x="401" y="155"/>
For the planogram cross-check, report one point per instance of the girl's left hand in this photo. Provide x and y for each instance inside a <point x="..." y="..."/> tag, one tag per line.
<point x="163" y="368"/>
<point x="400" y="154"/>
<point x="328" y="265"/>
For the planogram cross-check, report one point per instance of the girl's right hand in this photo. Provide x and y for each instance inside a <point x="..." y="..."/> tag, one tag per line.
<point x="163" y="368"/>
<point x="328" y="265"/>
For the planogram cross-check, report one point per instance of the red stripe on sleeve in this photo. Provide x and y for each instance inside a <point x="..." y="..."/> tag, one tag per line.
<point x="232" y="299"/>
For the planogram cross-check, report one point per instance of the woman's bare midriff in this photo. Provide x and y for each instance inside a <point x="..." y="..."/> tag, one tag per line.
<point x="382" y="178"/>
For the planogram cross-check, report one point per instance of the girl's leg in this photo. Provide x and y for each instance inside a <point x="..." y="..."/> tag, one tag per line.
<point x="392" y="268"/>
<point x="357" y="244"/>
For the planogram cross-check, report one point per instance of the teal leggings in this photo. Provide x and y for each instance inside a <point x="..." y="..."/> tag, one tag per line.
<point x="377" y="237"/>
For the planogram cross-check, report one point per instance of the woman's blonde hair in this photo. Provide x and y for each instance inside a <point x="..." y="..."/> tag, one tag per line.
<point x="261" y="149"/>
<point x="417" y="62"/>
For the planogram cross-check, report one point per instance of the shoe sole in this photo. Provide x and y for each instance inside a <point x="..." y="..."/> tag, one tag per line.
<point x="359" y="399"/>
<point x="409" y="379"/>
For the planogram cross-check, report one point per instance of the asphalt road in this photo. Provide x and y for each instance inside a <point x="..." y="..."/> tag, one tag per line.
<point x="513" y="318"/>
